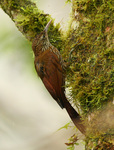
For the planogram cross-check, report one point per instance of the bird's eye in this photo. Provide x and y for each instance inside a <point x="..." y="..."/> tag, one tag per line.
<point x="42" y="69"/>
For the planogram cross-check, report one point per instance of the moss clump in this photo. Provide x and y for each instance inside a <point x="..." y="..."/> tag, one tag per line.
<point x="30" y="20"/>
<point x="100" y="143"/>
<point x="90" y="75"/>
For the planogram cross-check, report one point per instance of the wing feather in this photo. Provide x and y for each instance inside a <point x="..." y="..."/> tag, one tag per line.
<point x="53" y="77"/>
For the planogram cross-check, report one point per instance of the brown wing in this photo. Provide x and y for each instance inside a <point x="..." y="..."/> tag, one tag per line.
<point x="53" y="76"/>
<point x="50" y="71"/>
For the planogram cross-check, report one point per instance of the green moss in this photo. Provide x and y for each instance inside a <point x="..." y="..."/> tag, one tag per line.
<point x="90" y="76"/>
<point x="30" y="20"/>
<point x="99" y="143"/>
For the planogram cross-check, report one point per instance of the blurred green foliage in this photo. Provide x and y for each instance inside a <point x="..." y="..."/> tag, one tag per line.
<point x="14" y="44"/>
<point x="68" y="1"/>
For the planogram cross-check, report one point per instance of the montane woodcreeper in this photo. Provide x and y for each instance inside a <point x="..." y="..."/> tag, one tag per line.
<point x="49" y="66"/>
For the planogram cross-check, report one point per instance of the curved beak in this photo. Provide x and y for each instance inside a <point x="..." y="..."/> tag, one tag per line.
<point x="47" y="26"/>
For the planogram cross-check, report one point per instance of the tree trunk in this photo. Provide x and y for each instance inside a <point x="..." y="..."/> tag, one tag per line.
<point x="90" y="76"/>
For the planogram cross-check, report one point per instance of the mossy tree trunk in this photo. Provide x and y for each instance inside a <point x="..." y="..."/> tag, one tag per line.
<point x="90" y="75"/>
<point x="90" y="45"/>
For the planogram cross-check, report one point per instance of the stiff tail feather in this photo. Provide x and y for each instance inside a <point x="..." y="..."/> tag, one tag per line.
<point x="75" y="117"/>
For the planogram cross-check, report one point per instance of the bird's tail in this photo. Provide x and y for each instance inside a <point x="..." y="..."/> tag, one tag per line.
<point x="75" y="117"/>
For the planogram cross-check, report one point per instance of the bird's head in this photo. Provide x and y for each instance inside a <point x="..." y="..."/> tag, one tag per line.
<point x="41" y="41"/>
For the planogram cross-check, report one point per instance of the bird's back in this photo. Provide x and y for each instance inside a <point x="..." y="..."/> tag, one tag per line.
<point x="51" y="73"/>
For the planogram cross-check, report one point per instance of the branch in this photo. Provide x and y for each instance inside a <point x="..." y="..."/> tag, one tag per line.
<point x="26" y="16"/>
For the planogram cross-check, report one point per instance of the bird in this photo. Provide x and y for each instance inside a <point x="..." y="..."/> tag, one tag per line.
<point x="49" y="66"/>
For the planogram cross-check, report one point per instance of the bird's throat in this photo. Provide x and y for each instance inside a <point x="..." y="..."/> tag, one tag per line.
<point x="41" y="47"/>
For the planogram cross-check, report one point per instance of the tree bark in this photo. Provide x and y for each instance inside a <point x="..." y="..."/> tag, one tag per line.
<point x="27" y="17"/>
<point x="90" y="77"/>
